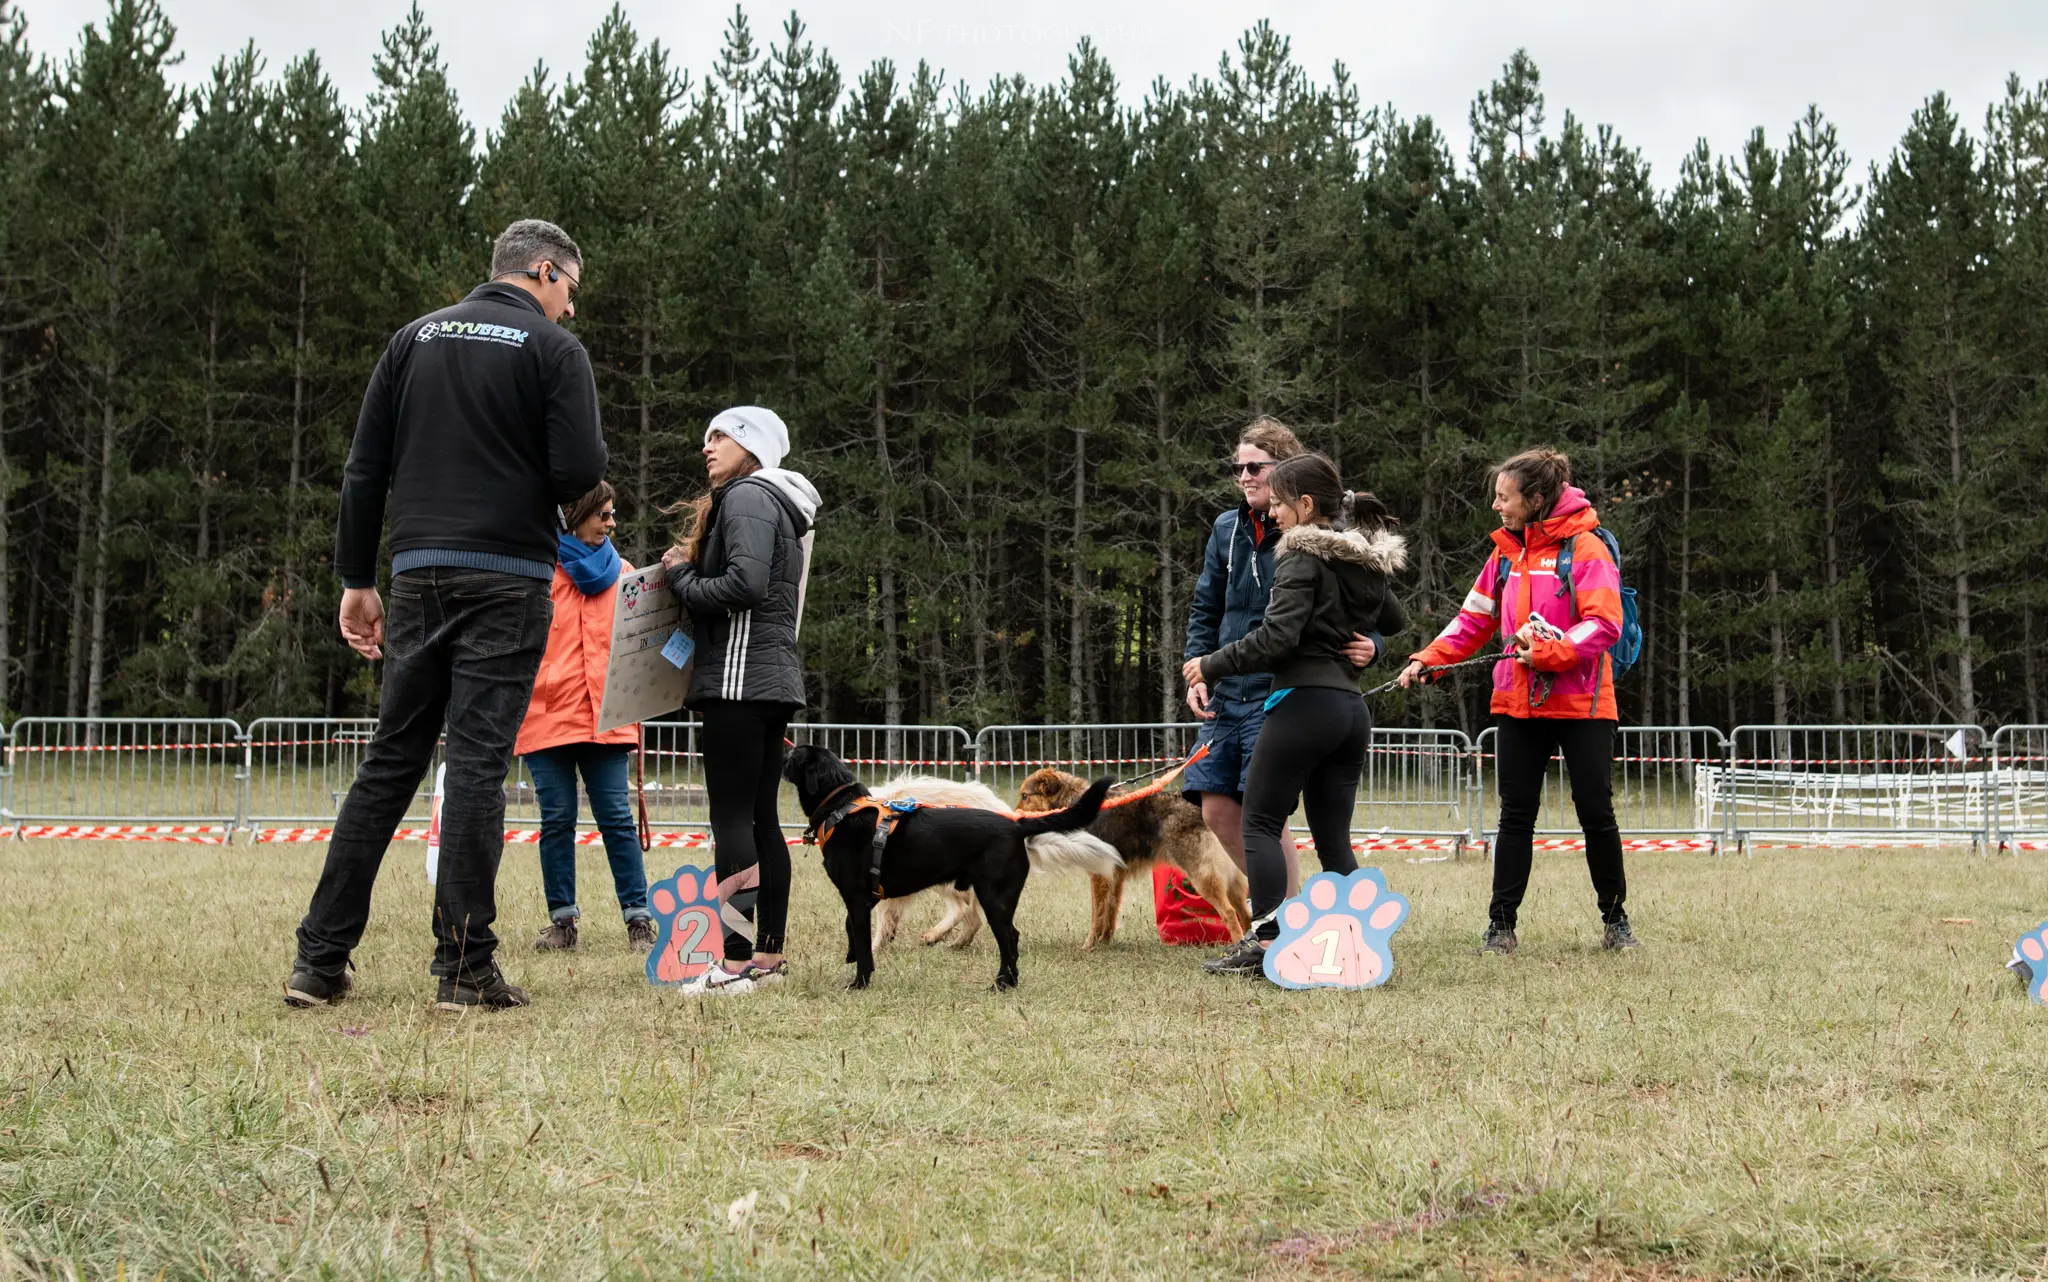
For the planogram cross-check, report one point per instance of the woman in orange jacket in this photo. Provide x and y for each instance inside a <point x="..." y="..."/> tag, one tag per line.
<point x="1553" y="691"/>
<point x="560" y="739"/>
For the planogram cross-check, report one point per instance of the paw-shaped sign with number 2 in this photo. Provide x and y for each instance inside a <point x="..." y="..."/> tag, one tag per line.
<point x="687" y="934"/>
<point x="1336" y="933"/>
<point x="2033" y="950"/>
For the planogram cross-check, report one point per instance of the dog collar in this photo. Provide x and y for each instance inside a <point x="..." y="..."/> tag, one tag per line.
<point x="824" y="820"/>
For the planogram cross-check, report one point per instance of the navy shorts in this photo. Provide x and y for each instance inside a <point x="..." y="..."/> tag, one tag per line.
<point x="1230" y="738"/>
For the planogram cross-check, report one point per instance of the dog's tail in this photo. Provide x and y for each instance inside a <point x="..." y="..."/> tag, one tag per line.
<point x="1077" y="816"/>
<point x="1073" y="852"/>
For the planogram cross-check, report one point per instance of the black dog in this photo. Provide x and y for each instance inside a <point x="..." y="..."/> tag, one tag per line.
<point x="975" y="849"/>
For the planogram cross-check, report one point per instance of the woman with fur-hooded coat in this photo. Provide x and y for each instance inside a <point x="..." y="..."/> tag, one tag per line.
<point x="1329" y="582"/>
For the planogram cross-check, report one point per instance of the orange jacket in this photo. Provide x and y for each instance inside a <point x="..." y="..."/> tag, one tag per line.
<point x="569" y="689"/>
<point x="1569" y="679"/>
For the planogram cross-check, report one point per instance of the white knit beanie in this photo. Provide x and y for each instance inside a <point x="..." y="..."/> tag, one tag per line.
<point x="760" y="432"/>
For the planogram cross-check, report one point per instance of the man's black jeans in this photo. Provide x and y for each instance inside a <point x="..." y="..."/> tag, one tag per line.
<point x="461" y="645"/>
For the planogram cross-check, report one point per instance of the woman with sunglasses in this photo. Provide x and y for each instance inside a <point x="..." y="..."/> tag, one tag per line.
<point x="1230" y="601"/>
<point x="560" y="738"/>
<point x="1553" y="690"/>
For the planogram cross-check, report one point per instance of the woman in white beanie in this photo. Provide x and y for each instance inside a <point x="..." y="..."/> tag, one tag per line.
<point x="738" y="570"/>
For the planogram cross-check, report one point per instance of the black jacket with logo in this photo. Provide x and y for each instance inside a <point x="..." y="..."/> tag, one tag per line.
<point x="480" y="419"/>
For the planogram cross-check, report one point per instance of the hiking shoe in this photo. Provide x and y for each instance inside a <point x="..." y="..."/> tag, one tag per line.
<point x="1246" y="957"/>
<point x="1619" y="936"/>
<point x="1501" y="940"/>
<point x="640" y="934"/>
<point x="485" y="989"/>
<point x="306" y="989"/>
<point x="560" y="935"/>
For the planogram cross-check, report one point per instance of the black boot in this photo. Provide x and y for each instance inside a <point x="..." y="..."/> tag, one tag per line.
<point x="485" y="988"/>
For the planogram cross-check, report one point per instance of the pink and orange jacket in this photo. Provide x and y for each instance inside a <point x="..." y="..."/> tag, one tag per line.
<point x="1577" y="670"/>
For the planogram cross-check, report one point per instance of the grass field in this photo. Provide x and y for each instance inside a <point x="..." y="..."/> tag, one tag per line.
<point x="1804" y="1073"/>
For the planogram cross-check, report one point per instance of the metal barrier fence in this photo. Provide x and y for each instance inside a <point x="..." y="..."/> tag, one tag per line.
<point x="78" y="772"/>
<point x="1004" y="756"/>
<point x="1852" y="785"/>
<point x="2019" y="813"/>
<point x="1674" y="786"/>
<point x="1416" y="791"/>
<point x="1657" y="797"/>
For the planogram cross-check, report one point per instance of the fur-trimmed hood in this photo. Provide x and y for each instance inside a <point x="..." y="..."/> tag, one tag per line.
<point x="1383" y="550"/>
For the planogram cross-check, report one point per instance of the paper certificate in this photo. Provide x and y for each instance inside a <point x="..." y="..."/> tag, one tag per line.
<point x="640" y="683"/>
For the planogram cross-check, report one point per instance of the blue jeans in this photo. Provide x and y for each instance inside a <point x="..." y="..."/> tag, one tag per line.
<point x="611" y="804"/>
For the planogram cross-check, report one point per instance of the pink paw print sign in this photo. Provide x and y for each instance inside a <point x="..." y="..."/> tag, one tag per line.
<point x="687" y="935"/>
<point x="2032" y="953"/>
<point x="1336" y="933"/>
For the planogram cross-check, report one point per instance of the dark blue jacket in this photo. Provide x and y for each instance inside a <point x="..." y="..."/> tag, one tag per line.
<point x="1230" y="598"/>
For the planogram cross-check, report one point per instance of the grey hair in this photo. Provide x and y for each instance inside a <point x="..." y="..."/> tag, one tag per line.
<point x="527" y="242"/>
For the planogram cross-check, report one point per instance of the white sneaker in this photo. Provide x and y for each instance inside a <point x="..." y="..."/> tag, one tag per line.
<point x="715" y="978"/>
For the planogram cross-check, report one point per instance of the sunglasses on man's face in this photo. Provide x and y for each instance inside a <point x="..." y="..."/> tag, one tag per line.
<point x="1248" y="469"/>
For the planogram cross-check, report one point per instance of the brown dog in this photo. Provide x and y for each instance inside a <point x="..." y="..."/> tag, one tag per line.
<point x="1161" y="826"/>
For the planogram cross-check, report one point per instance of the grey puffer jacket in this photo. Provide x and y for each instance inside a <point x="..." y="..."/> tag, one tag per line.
<point x="743" y="592"/>
<point x="1326" y="585"/>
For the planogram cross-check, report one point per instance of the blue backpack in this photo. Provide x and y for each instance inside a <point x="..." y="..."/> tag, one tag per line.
<point x="1628" y="647"/>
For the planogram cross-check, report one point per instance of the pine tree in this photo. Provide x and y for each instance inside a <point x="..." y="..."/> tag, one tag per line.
<point x="323" y="331"/>
<point x="527" y="170"/>
<point x="111" y="153"/>
<point x="1167" y="311"/>
<point x="220" y="211"/>
<point x="635" y="208"/>
<point x="26" y="297"/>
<point x="1931" y="243"/>
<point x="1072" y="339"/>
<point x="1413" y="312"/>
<point x="2016" y="162"/>
<point x="418" y="164"/>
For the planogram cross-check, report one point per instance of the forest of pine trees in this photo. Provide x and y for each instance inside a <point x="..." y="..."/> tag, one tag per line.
<point x="1014" y="330"/>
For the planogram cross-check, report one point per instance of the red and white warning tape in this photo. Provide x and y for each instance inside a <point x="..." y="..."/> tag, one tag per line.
<point x="197" y="834"/>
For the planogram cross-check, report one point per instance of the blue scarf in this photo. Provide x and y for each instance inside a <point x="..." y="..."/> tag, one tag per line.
<point x="591" y="569"/>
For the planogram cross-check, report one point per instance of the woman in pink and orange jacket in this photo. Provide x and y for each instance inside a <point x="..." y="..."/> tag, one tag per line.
<point x="1553" y="692"/>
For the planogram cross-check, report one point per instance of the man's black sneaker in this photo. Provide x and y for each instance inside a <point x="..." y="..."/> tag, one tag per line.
<point x="1246" y="957"/>
<point x="640" y="935"/>
<point x="307" y="989"/>
<point x="485" y="989"/>
<point x="1619" y="936"/>
<point x="1499" y="939"/>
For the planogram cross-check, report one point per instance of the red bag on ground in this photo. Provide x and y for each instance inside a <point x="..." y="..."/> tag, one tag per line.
<point x="1184" y="917"/>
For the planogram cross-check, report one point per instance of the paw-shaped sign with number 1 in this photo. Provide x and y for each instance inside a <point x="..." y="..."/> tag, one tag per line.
<point x="1336" y="933"/>
<point x="687" y="935"/>
<point x="2033" y="950"/>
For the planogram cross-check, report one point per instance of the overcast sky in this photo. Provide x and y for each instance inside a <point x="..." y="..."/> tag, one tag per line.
<point x="1663" y="73"/>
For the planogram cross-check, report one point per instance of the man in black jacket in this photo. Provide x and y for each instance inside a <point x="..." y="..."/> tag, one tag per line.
<point x="479" y="422"/>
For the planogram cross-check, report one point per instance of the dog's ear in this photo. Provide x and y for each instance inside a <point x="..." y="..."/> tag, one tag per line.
<point x="815" y="770"/>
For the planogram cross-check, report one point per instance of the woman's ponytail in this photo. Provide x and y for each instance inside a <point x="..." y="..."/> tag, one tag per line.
<point x="1315" y="476"/>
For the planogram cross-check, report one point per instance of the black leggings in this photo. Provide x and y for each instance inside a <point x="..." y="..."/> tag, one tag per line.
<point x="742" y="777"/>
<point x="1526" y="745"/>
<point x="1311" y="750"/>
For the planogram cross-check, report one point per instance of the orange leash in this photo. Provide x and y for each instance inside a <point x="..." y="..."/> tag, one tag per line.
<point x="1158" y="785"/>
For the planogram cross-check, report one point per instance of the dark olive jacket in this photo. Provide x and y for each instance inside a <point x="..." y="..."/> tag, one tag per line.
<point x="1326" y="586"/>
